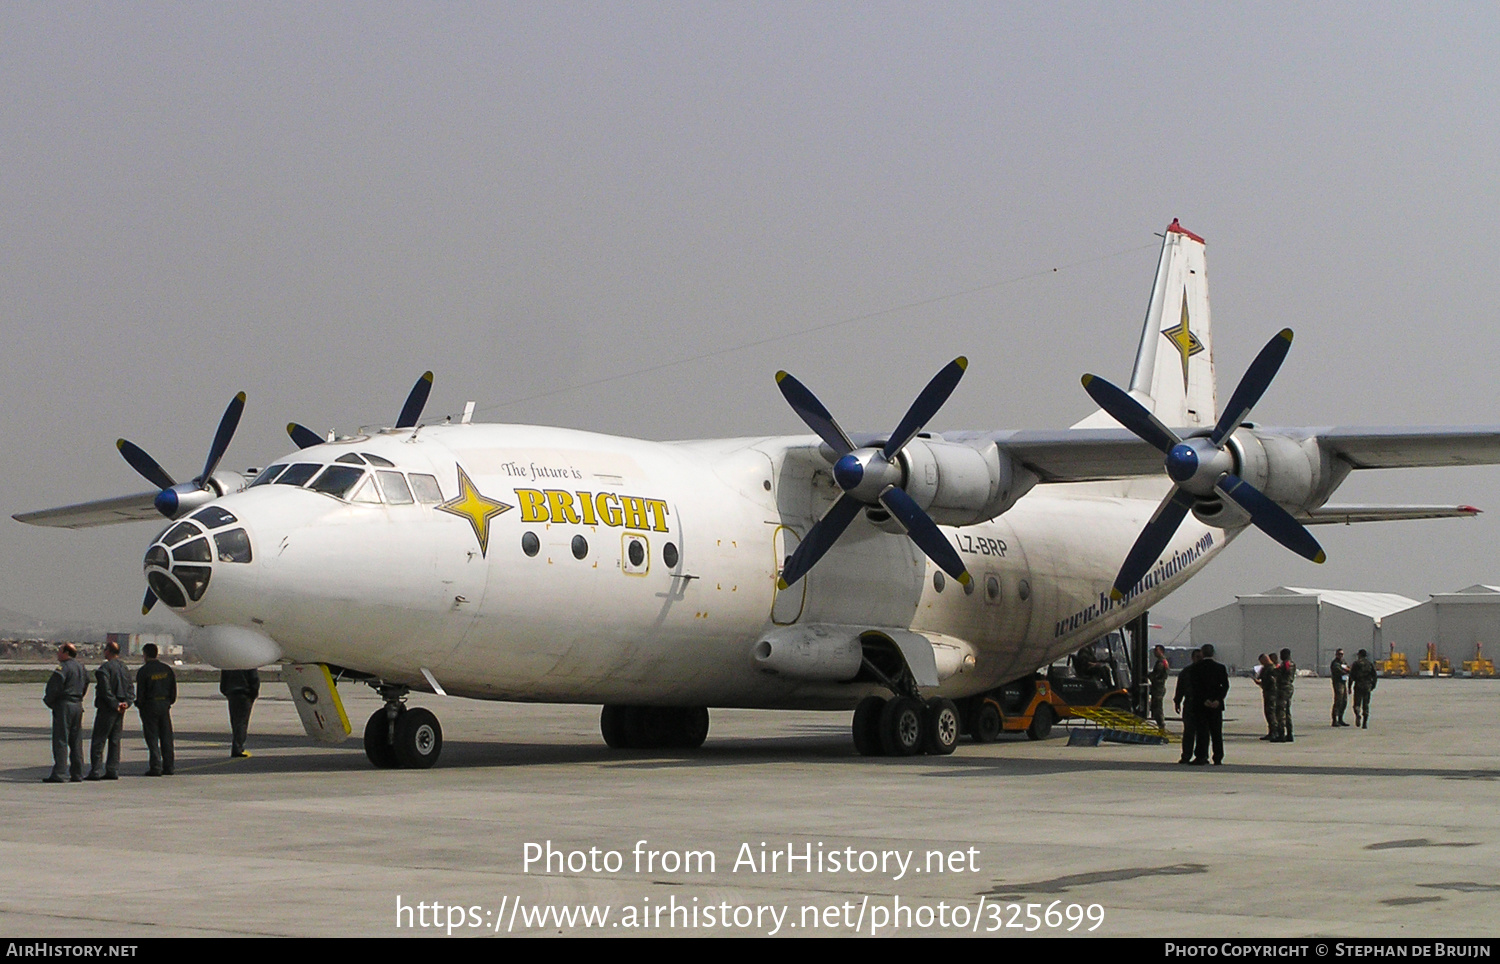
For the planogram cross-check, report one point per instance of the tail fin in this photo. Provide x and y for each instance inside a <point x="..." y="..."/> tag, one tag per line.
<point x="1174" y="366"/>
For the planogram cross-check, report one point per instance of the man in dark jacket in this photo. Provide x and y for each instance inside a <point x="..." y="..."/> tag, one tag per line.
<point x="64" y="697"/>
<point x="240" y="687"/>
<point x="113" y="694"/>
<point x="1209" y="686"/>
<point x="156" y="691"/>
<point x="1183" y="703"/>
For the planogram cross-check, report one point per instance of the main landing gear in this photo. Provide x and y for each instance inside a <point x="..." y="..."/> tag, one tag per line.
<point x="398" y="736"/>
<point x="654" y="727"/>
<point x="905" y="726"/>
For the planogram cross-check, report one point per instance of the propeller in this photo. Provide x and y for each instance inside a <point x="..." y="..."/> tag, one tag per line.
<point x="871" y="476"/>
<point x="148" y="602"/>
<point x="173" y="494"/>
<point x="1201" y="468"/>
<point x="416" y="400"/>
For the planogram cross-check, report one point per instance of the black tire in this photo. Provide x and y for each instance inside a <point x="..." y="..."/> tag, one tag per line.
<point x="988" y="723"/>
<point x="1041" y="723"/>
<point x="612" y="727"/>
<point x="692" y="727"/>
<point x="419" y="739"/>
<point x="867" y="726"/>
<point x="1118" y="701"/>
<point x="941" y="727"/>
<point x="901" y="726"/>
<point x="378" y="748"/>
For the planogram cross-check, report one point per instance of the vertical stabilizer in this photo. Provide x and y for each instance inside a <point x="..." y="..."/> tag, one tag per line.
<point x="1174" y="366"/>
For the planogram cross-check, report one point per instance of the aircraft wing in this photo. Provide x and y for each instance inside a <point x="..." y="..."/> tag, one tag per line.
<point x="1090" y="455"/>
<point x="1346" y="514"/>
<point x="125" y="508"/>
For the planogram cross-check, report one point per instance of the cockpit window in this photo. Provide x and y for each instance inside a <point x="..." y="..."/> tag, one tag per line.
<point x="179" y="532"/>
<point x="396" y="492"/>
<point x="215" y="516"/>
<point x="366" y="492"/>
<point x="233" y="546"/>
<point x="195" y="551"/>
<point x="337" y="480"/>
<point x="350" y="458"/>
<point x="193" y="578"/>
<point x="298" y="474"/>
<point x="269" y="475"/>
<point x="426" y="488"/>
<point x="377" y="460"/>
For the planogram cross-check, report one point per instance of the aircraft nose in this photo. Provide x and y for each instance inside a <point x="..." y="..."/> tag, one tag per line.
<point x="181" y="562"/>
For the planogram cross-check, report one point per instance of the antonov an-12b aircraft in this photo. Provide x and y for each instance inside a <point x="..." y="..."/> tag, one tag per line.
<point x="902" y="575"/>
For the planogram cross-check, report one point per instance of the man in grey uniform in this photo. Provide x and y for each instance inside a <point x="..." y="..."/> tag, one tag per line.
<point x="156" y="691"/>
<point x="113" y="694"/>
<point x="64" y="697"/>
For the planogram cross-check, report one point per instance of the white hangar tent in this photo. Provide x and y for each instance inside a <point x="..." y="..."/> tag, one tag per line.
<point x="1455" y="621"/>
<point x="1312" y="623"/>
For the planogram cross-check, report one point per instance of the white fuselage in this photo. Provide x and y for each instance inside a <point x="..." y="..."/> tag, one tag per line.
<point x="393" y="589"/>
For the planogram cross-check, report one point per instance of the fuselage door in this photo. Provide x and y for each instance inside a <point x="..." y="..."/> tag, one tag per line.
<point x="786" y="608"/>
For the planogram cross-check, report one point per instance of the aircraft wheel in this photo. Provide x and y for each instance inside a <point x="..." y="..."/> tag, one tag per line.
<point x="941" y="729"/>
<point x="987" y="723"/>
<point x="419" y="739"/>
<point x="612" y="721"/>
<point x="377" y="747"/>
<point x="1041" y="723"/>
<point x="867" y="726"/>
<point x="691" y="727"/>
<point x="901" y="726"/>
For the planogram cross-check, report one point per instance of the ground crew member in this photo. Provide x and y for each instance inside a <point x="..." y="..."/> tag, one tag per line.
<point x="1209" y="685"/>
<point x="1338" y="671"/>
<point x="1364" y="678"/>
<point x="64" y="697"/>
<point x="113" y="694"/>
<point x="156" y="691"/>
<point x="1160" y="670"/>
<point x="1286" y="676"/>
<point x="240" y="687"/>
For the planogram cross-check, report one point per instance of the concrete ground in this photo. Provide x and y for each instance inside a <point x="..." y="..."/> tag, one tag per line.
<point x="1391" y="831"/>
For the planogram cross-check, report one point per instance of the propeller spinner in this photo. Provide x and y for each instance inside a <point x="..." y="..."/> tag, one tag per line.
<point x="871" y="476"/>
<point x="177" y="497"/>
<point x="1201" y="468"/>
<point x="416" y="400"/>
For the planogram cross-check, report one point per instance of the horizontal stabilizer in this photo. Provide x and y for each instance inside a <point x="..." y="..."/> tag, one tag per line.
<point x="1346" y="514"/>
<point x="104" y="512"/>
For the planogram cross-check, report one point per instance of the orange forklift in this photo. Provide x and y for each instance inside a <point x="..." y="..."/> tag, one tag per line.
<point x="1099" y="675"/>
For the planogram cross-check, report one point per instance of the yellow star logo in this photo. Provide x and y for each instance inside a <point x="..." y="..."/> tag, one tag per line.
<point x="476" y="508"/>
<point x="1183" y="339"/>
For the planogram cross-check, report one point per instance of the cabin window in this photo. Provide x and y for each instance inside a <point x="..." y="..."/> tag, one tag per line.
<point x="669" y="555"/>
<point x="195" y="551"/>
<point x="233" y="546"/>
<point x="394" y="484"/>
<point x="298" y="474"/>
<point x="215" y="516"/>
<point x="377" y="460"/>
<point x="426" y="489"/>
<point x="338" y="480"/>
<point x="179" y="532"/>
<point x="580" y="547"/>
<point x="938" y="582"/>
<point x="530" y="544"/>
<point x="268" y="476"/>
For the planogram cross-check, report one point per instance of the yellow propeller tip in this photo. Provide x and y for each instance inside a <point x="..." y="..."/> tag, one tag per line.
<point x="1116" y="595"/>
<point x="782" y="584"/>
<point x="240" y="398"/>
<point x="964" y="578"/>
<point x="780" y="376"/>
<point x="1320" y="558"/>
<point x="962" y="363"/>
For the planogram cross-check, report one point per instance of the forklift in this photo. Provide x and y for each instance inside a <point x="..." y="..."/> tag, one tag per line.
<point x="1109" y="673"/>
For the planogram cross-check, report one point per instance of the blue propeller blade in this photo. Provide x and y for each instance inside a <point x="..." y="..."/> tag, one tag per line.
<point x="148" y="602"/>
<point x="1271" y="518"/>
<point x="926" y="406"/>
<point x="1130" y="413"/>
<point x="813" y="412"/>
<point x="303" y="436"/>
<point x="819" y="540"/>
<point x="1253" y="385"/>
<point x="925" y="533"/>
<point x="415" y="402"/>
<point x="1152" y="540"/>
<point x="222" y="437"/>
<point x="144" y="464"/>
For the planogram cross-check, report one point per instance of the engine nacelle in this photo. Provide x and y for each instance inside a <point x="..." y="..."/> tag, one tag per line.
<point x="185" y="497"/>
<point x="1294" y="473"/>
<point x="959" y="484"/>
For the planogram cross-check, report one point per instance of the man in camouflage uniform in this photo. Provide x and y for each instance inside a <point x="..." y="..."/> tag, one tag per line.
<point x="1362" y="674"/>
<point x="1338" y="671"/>
<point x="1286" y="676"/>
<point x="1265" y="678"/>
<point x="1160" y="669"/>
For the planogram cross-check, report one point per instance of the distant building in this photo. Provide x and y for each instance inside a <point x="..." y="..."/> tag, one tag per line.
<point x="131" y="643"/>
<point x="1312" y="623"/>
<point x="1455" y="621"/>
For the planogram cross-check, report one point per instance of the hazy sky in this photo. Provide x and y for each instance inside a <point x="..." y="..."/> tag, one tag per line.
<point x="315" y="202"/>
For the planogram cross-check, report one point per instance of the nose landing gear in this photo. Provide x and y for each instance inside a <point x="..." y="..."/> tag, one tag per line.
<point x="396" y="736"/>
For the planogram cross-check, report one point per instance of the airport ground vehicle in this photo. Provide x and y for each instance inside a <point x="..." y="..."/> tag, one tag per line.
<point x="1098" y="675"/>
